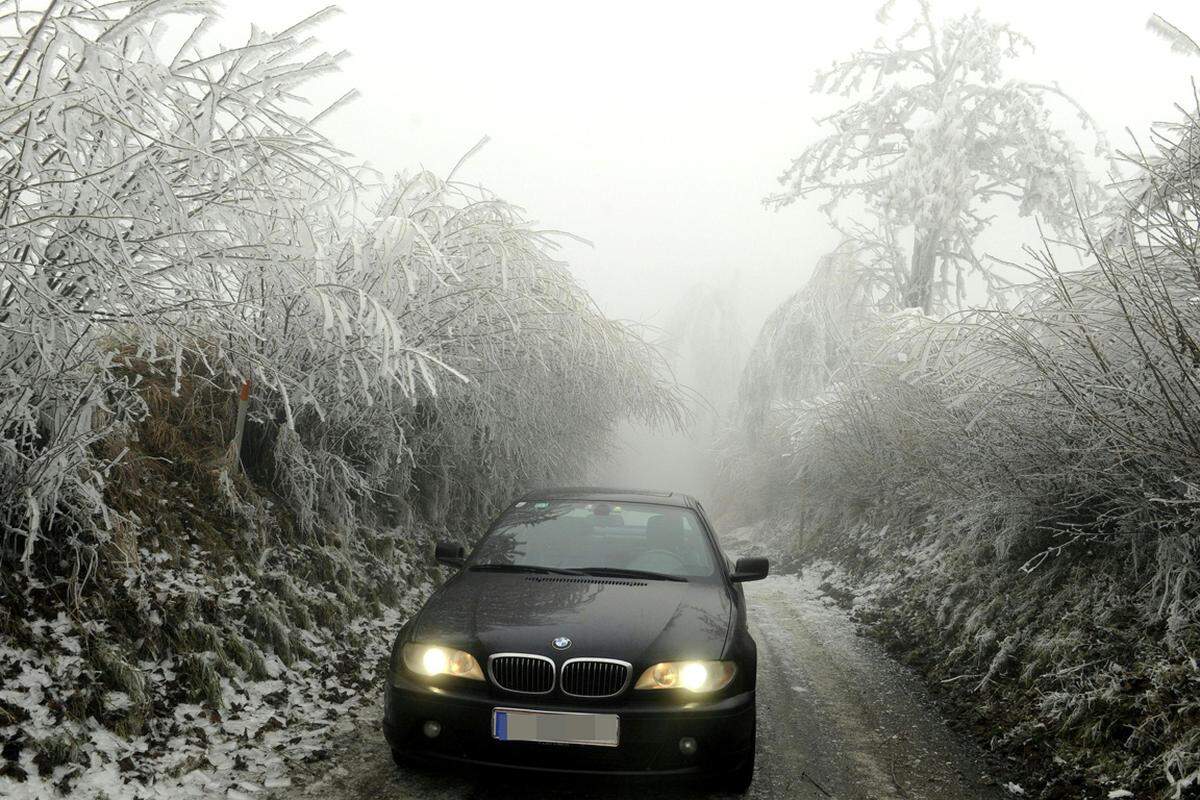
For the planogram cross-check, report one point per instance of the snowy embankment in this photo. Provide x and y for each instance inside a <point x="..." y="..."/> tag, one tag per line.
<point x="1119" y="721"/>
<point x="225" y="722"/>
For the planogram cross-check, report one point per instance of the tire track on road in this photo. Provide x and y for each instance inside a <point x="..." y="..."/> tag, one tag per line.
<point x="856" y="721"/>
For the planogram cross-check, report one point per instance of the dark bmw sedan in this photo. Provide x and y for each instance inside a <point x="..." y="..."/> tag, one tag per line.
<point x="591" y="631"/>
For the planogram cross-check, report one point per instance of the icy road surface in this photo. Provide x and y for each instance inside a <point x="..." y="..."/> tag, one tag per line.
<point x="837" y="719"/>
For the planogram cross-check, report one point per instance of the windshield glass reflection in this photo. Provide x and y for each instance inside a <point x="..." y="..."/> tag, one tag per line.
<point x="602" y="536"/>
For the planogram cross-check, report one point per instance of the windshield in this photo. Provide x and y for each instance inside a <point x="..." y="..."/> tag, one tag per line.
<point x="602" y="536"/>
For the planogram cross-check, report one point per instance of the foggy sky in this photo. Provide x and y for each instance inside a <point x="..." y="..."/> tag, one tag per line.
<point x="654" y="129"/>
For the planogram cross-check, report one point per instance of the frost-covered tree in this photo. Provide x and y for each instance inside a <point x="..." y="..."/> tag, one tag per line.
<point x="704" y="337"/>
<point x="171" y="218"/>
<point x="936" y="132"/>
<point x="1179" y="39"/>
<point x="148" y="199"/>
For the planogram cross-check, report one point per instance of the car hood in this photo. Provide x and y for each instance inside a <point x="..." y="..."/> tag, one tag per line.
<point x="632" y="620"/>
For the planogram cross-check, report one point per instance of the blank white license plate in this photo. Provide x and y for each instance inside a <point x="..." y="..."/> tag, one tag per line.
<point x="555" y="727"/>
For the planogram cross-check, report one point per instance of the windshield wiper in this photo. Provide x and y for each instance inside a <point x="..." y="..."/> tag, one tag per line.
<point x="619" y="572"/>
<point x="525" y="568"/>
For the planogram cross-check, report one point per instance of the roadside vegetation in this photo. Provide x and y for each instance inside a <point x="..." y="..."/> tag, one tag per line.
<point x="175" y="230"/>
<point x="1011" y="491"/>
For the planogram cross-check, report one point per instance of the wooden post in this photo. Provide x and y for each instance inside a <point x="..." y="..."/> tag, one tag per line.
<point x="243" y="404"/>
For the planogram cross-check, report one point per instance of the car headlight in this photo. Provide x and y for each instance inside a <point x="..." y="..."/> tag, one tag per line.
<point x="693" y="676"/>
<point x="431" y="659"/>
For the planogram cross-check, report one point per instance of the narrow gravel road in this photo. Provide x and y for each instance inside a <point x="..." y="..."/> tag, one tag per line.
<point x="837" y="719"/>
<point x="840" y="718"/>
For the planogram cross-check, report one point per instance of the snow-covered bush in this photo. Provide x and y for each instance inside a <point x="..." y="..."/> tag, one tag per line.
<point x="172" y="212"/>
<point x="511" y="376"/>
<point x="1026" y="483"/>
<point x="151" y="201"/>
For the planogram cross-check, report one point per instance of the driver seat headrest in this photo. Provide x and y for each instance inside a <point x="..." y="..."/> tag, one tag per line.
<point x="664" y="529"/>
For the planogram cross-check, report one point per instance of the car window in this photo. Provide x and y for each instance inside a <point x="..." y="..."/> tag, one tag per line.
<point x="579" y="534"/>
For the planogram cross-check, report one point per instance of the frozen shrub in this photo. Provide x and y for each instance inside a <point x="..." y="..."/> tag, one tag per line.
<point x="1037" y="473"/>
<point x="175" y="227"/>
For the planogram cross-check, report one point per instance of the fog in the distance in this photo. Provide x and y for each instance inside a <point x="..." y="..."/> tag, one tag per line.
<point x="654" y="130"/>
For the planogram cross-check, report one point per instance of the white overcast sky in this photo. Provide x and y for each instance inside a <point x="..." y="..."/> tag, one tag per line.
<point x="654" y="129"/>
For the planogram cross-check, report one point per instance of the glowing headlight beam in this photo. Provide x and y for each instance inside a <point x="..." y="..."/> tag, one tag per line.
<point x="693" y="676"/>
<point x="431" y="660"/>
<point x="435" y="661"/>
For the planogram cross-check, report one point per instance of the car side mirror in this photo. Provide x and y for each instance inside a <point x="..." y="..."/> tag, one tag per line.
<point x="451" y="554"/>
<point x="753" y="568"/>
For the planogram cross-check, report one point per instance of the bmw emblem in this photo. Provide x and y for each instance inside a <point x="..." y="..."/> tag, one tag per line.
<point x="561" y="643"/>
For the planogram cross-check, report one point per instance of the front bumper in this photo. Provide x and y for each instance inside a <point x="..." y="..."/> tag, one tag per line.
<point x="649" y="738"/>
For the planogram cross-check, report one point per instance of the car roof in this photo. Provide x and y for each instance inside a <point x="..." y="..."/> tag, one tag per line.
<point x="613" y="495"/>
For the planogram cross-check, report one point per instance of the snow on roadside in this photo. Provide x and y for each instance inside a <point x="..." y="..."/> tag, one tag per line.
<point x="188" y="750"/>
<point x="822" y="576"/>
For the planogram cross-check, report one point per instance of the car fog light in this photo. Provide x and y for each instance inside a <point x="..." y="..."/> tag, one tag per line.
<point x="688" y="746"/>
<point x="432" y="729"/>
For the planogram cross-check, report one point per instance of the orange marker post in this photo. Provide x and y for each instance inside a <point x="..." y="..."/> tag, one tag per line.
<point x="243" y="404"/>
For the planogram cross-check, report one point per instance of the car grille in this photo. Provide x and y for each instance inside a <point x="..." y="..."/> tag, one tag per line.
<point x="594" y="677"/>
<point x="515" y="672"/>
